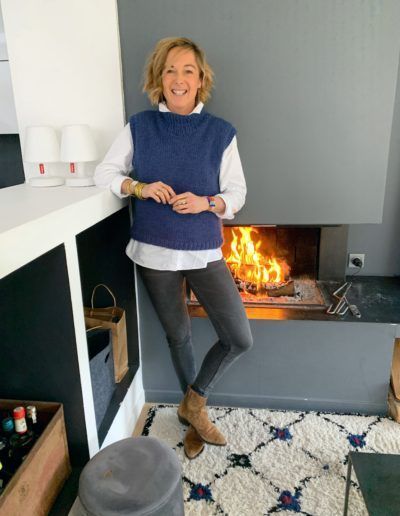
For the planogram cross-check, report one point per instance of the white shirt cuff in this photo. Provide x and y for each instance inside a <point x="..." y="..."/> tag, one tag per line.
<point x="116" y="186"/>
<point x="228" y="213"/>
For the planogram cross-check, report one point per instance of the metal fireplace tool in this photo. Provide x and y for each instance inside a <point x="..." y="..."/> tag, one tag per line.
<point x="343" y="305"/>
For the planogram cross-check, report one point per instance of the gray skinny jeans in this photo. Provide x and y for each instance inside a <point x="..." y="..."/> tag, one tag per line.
<point x="216" y="291"/>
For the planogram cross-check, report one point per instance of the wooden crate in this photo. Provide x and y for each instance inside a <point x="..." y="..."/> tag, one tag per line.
<point x="394" y="406"/>
<point x="395" y="377"/>
<point x="35" y="485"/>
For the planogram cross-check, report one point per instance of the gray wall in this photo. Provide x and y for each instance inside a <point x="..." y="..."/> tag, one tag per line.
<point x="309" y="85"/>
<point x="294" y="364"/>
<point x="380" y="242"/>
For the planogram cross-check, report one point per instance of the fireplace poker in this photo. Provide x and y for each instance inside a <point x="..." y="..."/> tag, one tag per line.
<point x="340" y="308"/>
<point x="345" y="286"/>
<point x="343" y="305"/>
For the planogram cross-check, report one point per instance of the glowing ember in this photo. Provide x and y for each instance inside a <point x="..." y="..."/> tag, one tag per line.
<point x="251" y="267"/>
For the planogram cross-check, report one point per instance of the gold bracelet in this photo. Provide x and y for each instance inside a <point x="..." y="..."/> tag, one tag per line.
<point x="130" y="188"/>
<point x="137" y="190"/>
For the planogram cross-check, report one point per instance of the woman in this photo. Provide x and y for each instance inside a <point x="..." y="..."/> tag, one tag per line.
<point x="188" y="176"/>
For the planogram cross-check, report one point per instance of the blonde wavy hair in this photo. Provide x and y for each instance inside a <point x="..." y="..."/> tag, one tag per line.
<point x="152" y="80"/>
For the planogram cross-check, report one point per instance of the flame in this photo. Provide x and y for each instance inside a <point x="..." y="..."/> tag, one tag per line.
<point x="248" y="264"/>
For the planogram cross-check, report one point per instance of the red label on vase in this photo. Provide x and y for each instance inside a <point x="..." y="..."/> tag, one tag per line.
<point x="41" y="168"/>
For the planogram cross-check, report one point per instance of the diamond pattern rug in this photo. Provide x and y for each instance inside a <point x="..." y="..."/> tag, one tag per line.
<point x="275" y="461"/>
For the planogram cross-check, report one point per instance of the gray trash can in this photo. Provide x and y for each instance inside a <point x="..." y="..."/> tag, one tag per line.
<point x="136" y="476"/>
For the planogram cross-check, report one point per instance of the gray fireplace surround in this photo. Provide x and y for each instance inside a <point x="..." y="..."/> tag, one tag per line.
<point x="310" y="361"/>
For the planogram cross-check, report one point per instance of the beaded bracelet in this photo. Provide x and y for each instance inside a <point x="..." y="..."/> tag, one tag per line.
<point x="211" y="202"/>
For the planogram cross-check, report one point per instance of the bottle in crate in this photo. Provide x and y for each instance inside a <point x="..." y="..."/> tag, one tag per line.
<point x="20" y="442"/>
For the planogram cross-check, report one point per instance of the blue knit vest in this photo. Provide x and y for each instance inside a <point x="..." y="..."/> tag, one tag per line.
<point x="184" y="152"/>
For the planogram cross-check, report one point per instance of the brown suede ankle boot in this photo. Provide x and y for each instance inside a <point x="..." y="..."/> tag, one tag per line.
<point x="192" y="410"/>
<point x="193" y="444"/>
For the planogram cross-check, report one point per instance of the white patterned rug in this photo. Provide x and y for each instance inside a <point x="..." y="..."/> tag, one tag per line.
<point x="275" y="461"/>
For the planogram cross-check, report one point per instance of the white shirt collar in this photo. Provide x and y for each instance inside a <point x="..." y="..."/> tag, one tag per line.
<point x="163" y="108"/>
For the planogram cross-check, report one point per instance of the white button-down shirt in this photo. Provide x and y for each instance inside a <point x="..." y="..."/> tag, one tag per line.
<point x="116" y="166"/>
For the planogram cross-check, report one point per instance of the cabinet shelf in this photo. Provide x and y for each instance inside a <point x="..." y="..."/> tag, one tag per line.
<point x="36" y="220"/>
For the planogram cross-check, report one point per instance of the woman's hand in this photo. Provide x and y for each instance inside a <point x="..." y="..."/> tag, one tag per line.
<point x="158" y="191"/>
<point x="188" y="203"/>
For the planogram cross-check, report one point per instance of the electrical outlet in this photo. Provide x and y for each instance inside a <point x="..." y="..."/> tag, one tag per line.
<point x="352" y="257"/>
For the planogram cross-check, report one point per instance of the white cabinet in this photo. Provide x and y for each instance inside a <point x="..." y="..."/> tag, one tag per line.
<point x="52" y="241"/>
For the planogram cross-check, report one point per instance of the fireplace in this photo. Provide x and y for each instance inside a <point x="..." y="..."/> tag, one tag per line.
<point x="281" y="267"/>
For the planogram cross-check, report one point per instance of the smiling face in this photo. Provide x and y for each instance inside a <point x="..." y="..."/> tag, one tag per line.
<point x="181" y="80"/>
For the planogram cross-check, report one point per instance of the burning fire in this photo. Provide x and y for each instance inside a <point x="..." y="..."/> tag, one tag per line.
<point x="249" y="265"/>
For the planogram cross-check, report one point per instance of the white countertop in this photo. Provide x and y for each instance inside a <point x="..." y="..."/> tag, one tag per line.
<point x="35" y="220"/>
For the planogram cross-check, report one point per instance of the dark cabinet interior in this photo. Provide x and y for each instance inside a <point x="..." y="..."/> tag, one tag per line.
<point x="102" y="259"/>
<point x="12" y="170"/>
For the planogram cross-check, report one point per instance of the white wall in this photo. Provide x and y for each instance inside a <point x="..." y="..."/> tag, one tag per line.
<point x="65" y="66"/>
<point x="3" y="47"/>
<point x="8" y="118"/>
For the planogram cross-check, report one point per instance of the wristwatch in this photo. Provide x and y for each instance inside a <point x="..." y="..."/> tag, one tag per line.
<point x="211" y="202"/>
